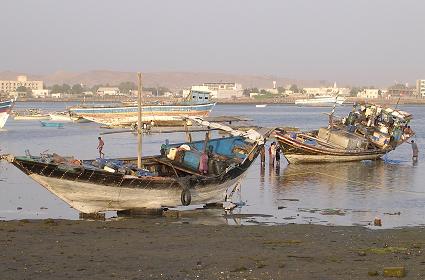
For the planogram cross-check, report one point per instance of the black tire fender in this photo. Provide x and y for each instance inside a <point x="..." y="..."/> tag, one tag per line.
<point x="186" y="197"/>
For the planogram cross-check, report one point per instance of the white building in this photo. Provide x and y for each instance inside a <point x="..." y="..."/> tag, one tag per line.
<point x="102" y="91"/>
<point x="11" y="86"/>
<point x="420" y="88"/>
<point x="327" y="91"/>
<point x="218" y="90"/>
<point x="40" y="93"/>
<point x="369" y="93"/>
<point x="56" y="95"/>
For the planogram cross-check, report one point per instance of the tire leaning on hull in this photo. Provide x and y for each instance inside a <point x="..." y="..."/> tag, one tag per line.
<point x="185" y="197"/>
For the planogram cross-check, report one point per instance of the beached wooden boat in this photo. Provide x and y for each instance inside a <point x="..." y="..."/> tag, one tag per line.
<point x="170" y="179"/>
<point x="367" y="133"/>
<point x="66" y="117"/>
<point x="159" y="114"/>
<point x="5" y="109"/>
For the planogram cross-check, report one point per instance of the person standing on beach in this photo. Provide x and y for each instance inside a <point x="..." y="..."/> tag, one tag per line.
<point x="100" y="147"/>
<point x="415" y="150"/>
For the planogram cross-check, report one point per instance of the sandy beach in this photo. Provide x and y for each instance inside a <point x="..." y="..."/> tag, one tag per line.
<point x="175" y="248"/>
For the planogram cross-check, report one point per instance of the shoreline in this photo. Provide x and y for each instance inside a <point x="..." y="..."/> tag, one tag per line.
<point x="243" y="101"/>
<point x="177" y="248"/>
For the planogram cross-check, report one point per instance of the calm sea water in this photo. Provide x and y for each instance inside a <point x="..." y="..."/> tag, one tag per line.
<point x="337" y="194"/>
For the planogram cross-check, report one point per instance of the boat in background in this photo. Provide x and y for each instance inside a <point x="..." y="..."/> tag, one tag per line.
<point x="51" y="124"/>
<point x="324" y="100"/>
<point x="66" y="116"/>
<point x="5" y="109"/>
<point x="158" y="114"/>
<point x="60" y="116"/>
<point x="261" y="105"/>
<point x="32" y="114"/>
<point x="367" y="133"/>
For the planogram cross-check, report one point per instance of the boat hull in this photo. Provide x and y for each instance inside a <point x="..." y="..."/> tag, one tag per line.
<point x="298" y="152"/>
<point x="320" y="102"/>
<point x="60" y="117"/>
<point x="299" y="158"/>
<point x="91" y="198"/>
<point x="31" y="118"/>
<point x="159" y="114"/>
<point x="5" y="108"/>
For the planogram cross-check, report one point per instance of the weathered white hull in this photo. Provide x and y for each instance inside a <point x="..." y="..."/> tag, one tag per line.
<point x="3" y="118"/>
<point x="61" y="118"/>
<point x="92" y="198"/>
<point x="116" y="116"/>
<point x="292" y="158"/>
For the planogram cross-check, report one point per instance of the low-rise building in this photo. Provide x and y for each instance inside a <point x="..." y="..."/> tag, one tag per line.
<point x="57" y="95"/>
<point x="21" y="81"/>
<point x="369" y="93"/>
<point x="40" y="93"/>
<point x="224" y="90"/>
<point x="102" y="91"/>
<point x="420" y="88"/>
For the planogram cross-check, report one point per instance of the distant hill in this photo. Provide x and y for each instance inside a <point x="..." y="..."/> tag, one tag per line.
<point x="171" y="80"/>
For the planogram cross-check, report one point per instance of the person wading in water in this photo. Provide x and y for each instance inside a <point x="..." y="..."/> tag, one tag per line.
<point x="100" y="147"/>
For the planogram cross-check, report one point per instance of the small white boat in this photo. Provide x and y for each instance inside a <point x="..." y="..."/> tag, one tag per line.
<point x="325" y="100"/>
<point x="261" y="105"/>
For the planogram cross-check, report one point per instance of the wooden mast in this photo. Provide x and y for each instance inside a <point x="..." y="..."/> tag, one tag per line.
<point x="139" y="122"/>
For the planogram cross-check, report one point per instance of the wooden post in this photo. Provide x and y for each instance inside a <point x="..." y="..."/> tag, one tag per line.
<point x="139" y="122"/>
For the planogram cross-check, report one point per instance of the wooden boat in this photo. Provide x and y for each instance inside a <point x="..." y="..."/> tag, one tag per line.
<point x="159" y="114"/>
<point x="170" y="179"/>
<point x="5" y="109"/>
<point x="367" y="133"/>
<point x="30" y="115"/>
<point x="51" y="124"/>
<point x="66" y="117"/>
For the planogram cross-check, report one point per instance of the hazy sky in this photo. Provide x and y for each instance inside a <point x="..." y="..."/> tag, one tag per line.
<point x="371" y="42"/>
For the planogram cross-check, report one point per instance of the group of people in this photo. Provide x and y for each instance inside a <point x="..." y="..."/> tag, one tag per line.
<point x="274" y="154"/>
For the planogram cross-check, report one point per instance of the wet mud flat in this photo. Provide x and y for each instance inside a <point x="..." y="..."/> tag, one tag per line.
<point x="168" y="248"/>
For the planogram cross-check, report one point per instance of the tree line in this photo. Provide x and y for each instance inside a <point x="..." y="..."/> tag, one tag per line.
<point x="124" y="87"/>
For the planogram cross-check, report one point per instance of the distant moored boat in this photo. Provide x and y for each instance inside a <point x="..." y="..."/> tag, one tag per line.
<point x="326" y="100"/>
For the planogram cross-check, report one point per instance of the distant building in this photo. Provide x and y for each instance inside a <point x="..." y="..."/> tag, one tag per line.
<point x="102" y="91"/>
<point x="420" y="88"/>
<point x="40" y="93"/>
<point x="401" y="90"/>
<point x="88" y="93"/>
<point x="11" y="86"/>
<point x="327" y="91"/>
<point x="218" y="90"/>
<point x="56" y="95"/>
<point x="369" y="93"/>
